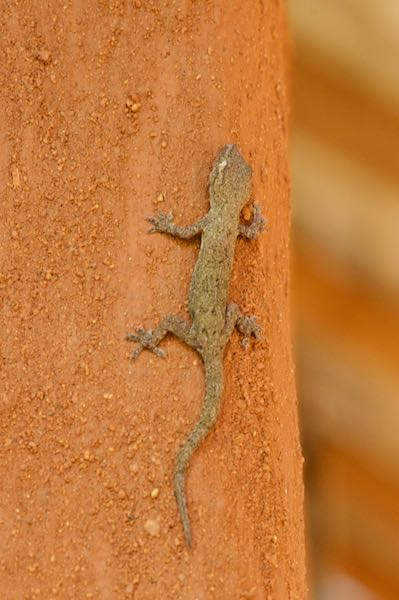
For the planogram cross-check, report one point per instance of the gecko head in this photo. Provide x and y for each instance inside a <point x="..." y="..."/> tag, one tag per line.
<point x="230" y="178"/>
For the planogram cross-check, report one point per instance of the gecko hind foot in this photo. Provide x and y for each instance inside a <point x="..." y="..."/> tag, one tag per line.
<point x="145" y="339"/>
<point x="249" y="326"/>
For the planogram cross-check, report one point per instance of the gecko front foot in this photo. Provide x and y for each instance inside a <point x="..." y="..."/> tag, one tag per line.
<point x="248" y="326"/>
<point x="258" y="224"/>
<point x="145" y="339"/>
<point x="162" y="222"/>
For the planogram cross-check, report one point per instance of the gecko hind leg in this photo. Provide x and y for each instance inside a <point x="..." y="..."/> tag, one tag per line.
<point x="247" y="325"/>
<point x="149" y="339"/>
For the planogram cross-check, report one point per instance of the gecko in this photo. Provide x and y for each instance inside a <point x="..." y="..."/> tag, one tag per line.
<point x="212" y="318"/>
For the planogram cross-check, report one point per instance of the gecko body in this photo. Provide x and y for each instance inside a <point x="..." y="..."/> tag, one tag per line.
<point x="212" y="318"/>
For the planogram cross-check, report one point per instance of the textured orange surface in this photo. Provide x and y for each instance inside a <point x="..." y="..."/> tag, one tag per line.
<point x="110" y="111"/>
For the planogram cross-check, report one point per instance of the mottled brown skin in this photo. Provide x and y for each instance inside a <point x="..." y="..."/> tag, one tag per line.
<point x="213" y="321"/>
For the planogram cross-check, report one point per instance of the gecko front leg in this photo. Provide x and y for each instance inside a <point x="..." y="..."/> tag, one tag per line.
<point x="149" y="339"/>
<point x="258" y="224"/>
<point x="164" y="223"/>
<point x="247" y="325"/>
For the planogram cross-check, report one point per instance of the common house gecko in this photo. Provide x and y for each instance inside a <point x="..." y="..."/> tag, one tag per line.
<point x="212" y="318"/>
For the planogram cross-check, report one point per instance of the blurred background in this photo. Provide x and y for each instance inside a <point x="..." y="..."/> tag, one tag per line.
<point x="345" y="169"/>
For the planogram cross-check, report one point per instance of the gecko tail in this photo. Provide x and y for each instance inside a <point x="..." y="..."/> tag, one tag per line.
<point x="182" y="504"/>
<point x="214" y="388"/>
